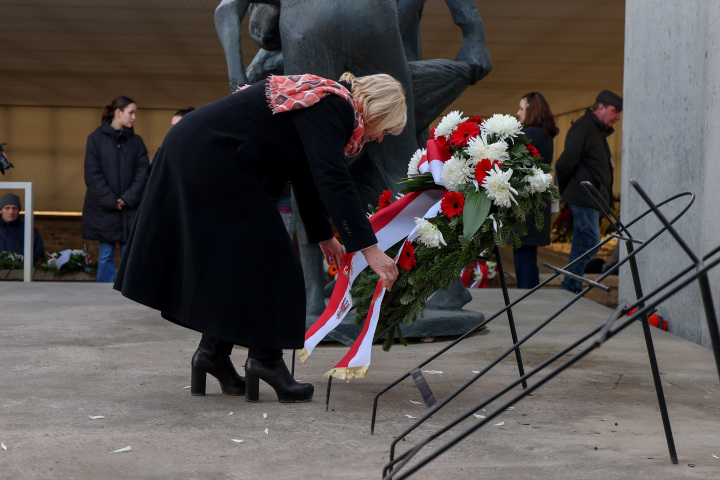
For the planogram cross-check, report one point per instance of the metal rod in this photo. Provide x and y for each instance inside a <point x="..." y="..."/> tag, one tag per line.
<point x="653" y="360"/>
<point x="327" y="397"/>
<point x="510" y="317"/>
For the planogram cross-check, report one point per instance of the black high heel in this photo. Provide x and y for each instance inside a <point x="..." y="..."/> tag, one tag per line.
<point x="221" y="368"/>
<point x="276" y="374"/>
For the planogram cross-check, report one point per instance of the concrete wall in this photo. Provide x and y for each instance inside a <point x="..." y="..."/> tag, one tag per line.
<point x="671" y="142"/>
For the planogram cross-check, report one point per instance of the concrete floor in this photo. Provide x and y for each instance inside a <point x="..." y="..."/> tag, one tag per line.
<point x="70" y="351"/>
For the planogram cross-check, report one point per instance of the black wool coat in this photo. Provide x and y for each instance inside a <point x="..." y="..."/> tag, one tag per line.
<point x="116" y="166"/>
<point x="544" y="145"/>
<point x="209" y="249"/>
<point x="586" y="158"/>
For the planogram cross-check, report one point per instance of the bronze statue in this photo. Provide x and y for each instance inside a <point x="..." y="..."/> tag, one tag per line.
<point x="329" y="37"/>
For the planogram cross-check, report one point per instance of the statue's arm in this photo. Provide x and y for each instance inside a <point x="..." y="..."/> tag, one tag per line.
<point x="474" y="48"/>
<point x="228" y="19"/>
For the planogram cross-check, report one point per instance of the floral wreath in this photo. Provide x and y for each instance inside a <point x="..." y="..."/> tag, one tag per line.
<point x="492" y="178"/>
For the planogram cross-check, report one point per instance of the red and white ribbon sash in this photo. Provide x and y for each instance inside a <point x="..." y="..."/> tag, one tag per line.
<point x="356" y="362"/>
<point x="391" y="225"/>
<point x="434" y="160"/>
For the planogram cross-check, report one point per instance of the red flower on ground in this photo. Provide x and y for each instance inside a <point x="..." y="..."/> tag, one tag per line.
<point x="533" y="151"/>
<point x="385" y="199"/>
<point x="463" y="133"/>
<point x="452" y="204"/>
<point x="407" y="258"/>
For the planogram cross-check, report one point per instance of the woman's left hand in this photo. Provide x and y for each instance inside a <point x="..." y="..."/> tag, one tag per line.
<point x="333" y="251"/>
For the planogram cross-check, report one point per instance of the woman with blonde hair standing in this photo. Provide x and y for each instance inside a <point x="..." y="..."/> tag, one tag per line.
<point x="210" y="250"/>
<point x="116" y="168"/>
<point x="539" y="126"/>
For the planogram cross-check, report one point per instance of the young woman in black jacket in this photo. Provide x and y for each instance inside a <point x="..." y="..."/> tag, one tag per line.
<point x="539" y="126"/>
<point x="116" y="169"/>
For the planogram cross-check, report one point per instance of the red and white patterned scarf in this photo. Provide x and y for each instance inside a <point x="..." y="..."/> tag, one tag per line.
<point x="292" y="92"/>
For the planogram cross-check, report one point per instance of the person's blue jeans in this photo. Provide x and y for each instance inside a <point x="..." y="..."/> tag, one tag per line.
<point x="106" y="262"/>
<point x="526" y="269"/>
<point x="586" y="234"/>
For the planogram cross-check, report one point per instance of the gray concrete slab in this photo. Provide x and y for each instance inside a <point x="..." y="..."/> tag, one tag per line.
<point x="69" y="351"/>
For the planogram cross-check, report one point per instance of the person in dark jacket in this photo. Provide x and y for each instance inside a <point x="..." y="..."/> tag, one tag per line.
<point x="587" y="158"/>
<point x="210" y="250"/>
<point x="116" y="170"/>
<point x="12" y="229"/>
<point x="539" y="126"/>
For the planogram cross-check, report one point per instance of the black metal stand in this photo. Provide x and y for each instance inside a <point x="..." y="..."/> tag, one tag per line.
<point x="643" y="307"/>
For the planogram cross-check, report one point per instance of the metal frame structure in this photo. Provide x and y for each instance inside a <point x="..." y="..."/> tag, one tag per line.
<point x="400" y="467"/>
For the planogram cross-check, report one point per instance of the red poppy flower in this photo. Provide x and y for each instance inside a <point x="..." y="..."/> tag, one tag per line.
<point x="452" y="204"/>
<point x="385" y="199"/>
<point x="533" y="151"/>
<point x="481" y="169"/>
<point x="407" y="258"/>
<point x="463" y="133"/>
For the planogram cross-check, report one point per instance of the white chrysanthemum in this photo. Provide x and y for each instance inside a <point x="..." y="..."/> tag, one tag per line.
<point x="502" y="126"/>
<point x="498" y="189"/>
<point x="538" y="180"/>
<point x="428" y="234"/>
<point x="449" y="123"/>
<point x="415" y="161"/>
<point x="457" y="171"/>
<point x="478" y="149"/>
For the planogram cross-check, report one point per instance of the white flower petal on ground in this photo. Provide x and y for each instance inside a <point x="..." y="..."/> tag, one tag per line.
<point x="416" y="403"/>
<point x="477" y="415"/>
<point x="415" y="161"/>
<point x="124" y="449"/>
<point x="502" y="126"/>
<point x="237" y="440"/>
<point x="498" y="189"/>
<point x="267" y="432"/>
<point x="538" y="180"/>
<point x="499" y="424"/>
<point x="428" y="234"/>
<point x="478" y="148"/>
<point x="2" y="445"/>
<point x="457" y="171"/>
<point x="409" y="416"/>
<point x="449" y="123"/>
<point x="96" y="417"/>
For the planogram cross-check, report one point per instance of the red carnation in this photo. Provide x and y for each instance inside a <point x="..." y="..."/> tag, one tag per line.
<point x="407" y="258"/>
<point x="452" y="204"/>
<point x="533" y="151"/>
<point x="385" y="199"/>
<point x="482" y="168"/>
<point x="463" y="133"/>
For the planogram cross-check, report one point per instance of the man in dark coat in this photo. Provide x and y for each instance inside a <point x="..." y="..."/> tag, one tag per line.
<point x="587" y="158"/>
<point x="210" y="250"/>
<point x="12" y="229"/>
<point x="116" y="170"/>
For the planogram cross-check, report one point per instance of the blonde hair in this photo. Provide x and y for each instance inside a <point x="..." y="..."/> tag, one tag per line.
<point x="382" y="99"/>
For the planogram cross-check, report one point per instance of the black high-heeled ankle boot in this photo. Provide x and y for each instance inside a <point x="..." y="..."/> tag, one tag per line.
<point x="204" y="362"/>
<point x="276" y="374"/>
